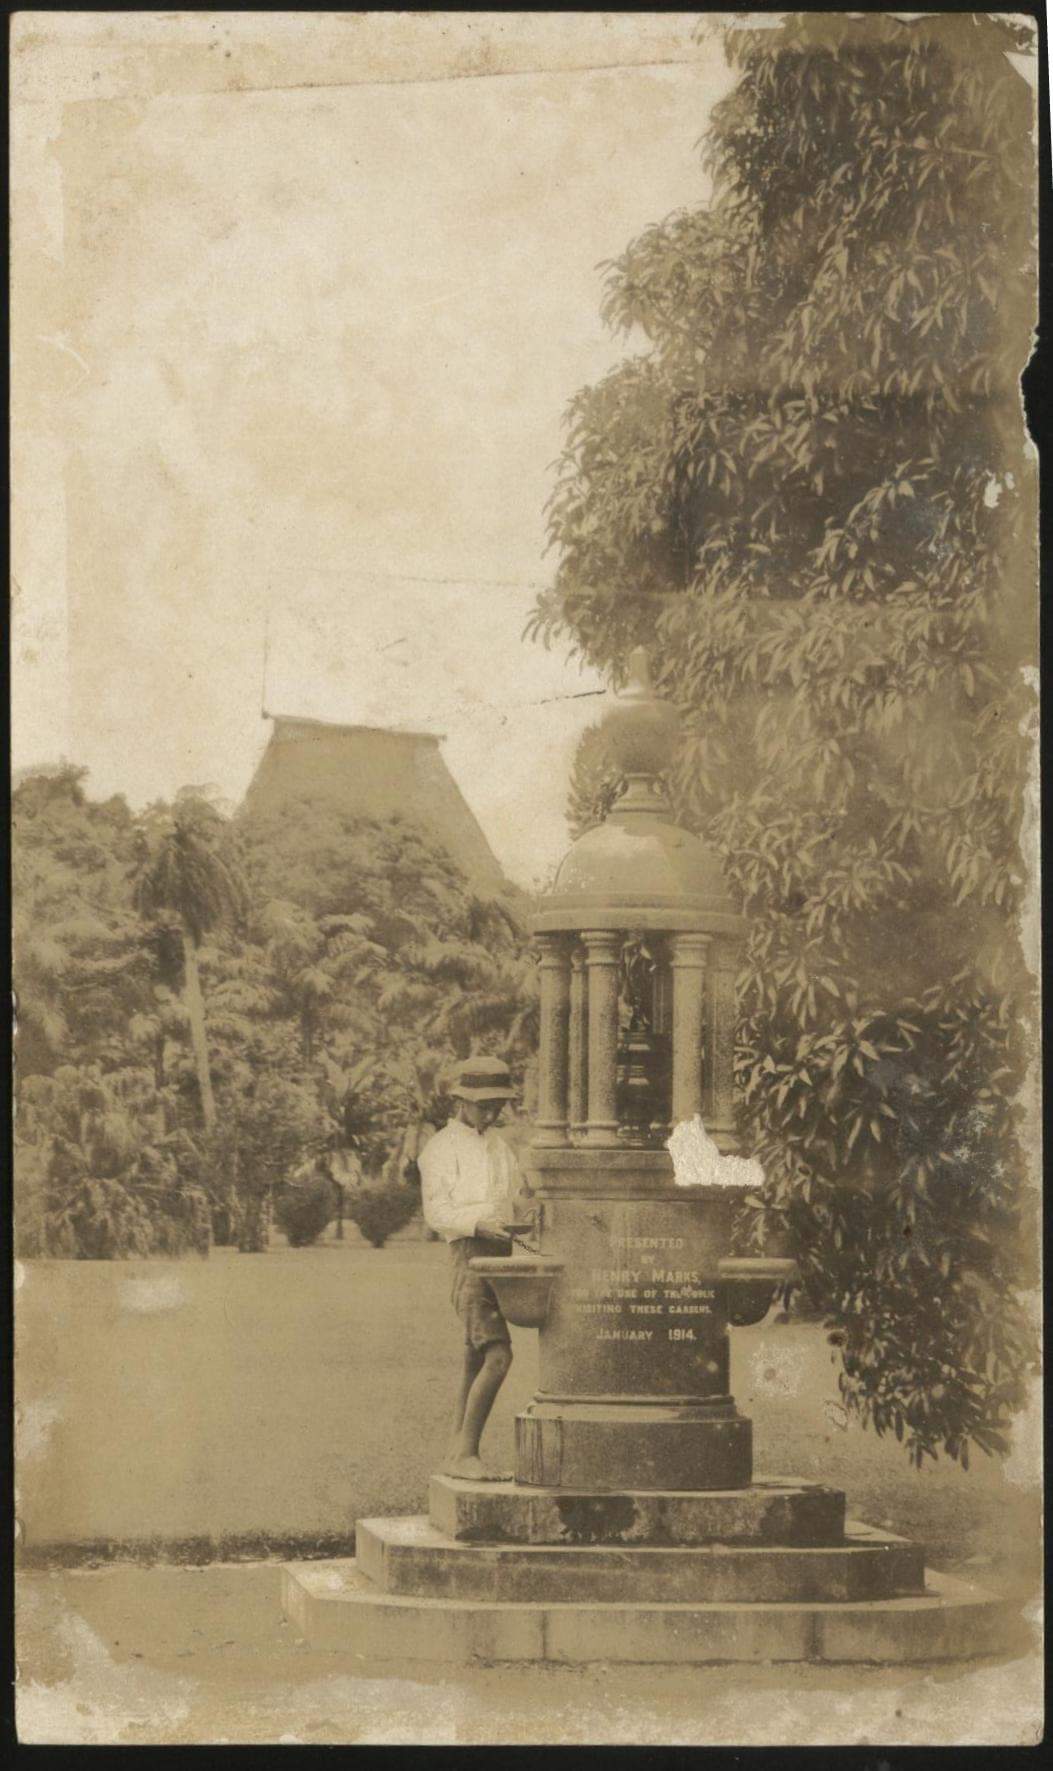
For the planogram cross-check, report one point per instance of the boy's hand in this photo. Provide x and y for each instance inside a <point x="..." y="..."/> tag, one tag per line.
<point x="490" y="1227"/>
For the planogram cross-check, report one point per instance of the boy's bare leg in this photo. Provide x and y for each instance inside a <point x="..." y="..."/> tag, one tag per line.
<point x="474" y="1405"/>
<point x="473" y="1362"/>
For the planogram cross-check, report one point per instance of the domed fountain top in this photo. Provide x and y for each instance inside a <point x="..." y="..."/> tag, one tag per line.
<point x="637" y="868"/>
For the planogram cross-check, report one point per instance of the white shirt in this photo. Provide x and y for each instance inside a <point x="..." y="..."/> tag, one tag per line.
<point x="466" y="1175"/>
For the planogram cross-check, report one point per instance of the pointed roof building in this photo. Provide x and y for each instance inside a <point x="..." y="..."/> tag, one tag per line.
<point x="373" y="772"/>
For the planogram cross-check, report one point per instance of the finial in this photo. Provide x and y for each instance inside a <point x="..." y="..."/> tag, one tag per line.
<point x="639" y="671"/>
<point x="640" y="731"/>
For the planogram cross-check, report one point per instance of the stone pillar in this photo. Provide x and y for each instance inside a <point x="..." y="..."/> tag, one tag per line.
<point x="720" y="1045"/>
<point x="602" y="953"/>
<point x="662" y="989"/>
<point x="578" y="1089"/>
<point x="688" y="953"/>
<point x="551" y="1121"/>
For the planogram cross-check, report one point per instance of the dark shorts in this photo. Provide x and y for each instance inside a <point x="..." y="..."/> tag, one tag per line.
<point x="472" y="1297"/>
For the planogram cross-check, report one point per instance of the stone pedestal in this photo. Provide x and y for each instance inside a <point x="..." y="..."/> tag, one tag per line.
<point x="606" y="1447"/>
<point x="769" y="1575"/>
<point x="633" y="1390"/>
<point x="634" y="1530"/>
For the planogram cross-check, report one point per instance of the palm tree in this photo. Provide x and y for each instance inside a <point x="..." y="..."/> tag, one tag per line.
<point x="153" y="1029"/>
<point x="183" y="874"/>
<point x="317" y="965"/>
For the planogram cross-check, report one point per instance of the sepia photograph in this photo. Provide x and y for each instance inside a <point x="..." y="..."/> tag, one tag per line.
<point x="525" y="876"/>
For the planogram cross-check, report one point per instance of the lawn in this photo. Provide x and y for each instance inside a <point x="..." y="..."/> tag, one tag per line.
<point x="264" y="1401"/>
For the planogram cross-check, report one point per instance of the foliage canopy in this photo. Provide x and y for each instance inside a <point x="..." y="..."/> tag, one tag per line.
<point x="808" y="494"/>
<point x="341" y="966"/>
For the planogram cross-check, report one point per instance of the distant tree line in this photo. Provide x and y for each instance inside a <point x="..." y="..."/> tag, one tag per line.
<point x="209" y="1009"/>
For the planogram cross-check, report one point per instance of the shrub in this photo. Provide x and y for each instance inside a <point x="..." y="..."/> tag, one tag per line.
<point x="100" y="1221"/>
<point x="380" y="1211"/>
<point x="305" y="1206"/>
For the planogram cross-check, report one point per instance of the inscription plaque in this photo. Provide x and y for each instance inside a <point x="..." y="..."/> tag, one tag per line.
<point x="640" y="1311"/>
<point x="636" y="1303"/>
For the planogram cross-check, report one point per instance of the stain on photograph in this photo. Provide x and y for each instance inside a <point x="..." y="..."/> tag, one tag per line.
<point x="525" y="846"/>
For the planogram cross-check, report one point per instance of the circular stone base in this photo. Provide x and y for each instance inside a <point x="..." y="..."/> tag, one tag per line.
<point x="767" y="1512"/>
<point x="333" y="1606"/>
<point x="605" y="1448"/>
<point x="410" y="1557"/>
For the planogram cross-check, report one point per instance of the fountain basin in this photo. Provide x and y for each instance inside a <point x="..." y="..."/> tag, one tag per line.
<point x="523" y="1283"/>
<point x="749" y="1282"/>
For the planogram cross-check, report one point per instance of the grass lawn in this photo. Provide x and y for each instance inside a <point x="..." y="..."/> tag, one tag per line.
<point x="269" y="1399"/>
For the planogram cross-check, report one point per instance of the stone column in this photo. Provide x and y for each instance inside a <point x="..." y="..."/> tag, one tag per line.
<point x="720" y="1043"/>
<point x="578" y="1091"/>
<point x="662" y="989"/>
<point x="551" y="1121"/>
<point x="688" y="954"/>
<point x="602" y="953"/>
<point x="663" y="1015"/>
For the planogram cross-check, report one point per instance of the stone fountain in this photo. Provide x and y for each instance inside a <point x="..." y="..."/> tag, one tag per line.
<point x="634" y="1529"/>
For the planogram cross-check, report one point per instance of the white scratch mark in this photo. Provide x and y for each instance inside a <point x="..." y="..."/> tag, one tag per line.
<point x="58" y="340"/>
<point x="150" y="1295"/>
<point x="33" y="1424"/>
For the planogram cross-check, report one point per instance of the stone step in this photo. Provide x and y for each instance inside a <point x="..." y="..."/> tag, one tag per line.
<point x="333" y="1606"/>
<point x="770" y="1512"/>
<point x="408" y="1556"/>
<point x="608" y="1446"/>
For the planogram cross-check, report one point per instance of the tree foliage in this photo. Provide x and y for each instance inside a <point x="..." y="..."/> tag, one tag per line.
<point x="431" y="970"/>
<point x="809" y="496"/>
<point x="341" y="967"/>
<point x="100" y="1174"/>
<point x="81" y="965"/>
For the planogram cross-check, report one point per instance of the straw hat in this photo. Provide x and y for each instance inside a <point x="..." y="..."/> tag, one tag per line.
<point x="482" y="1079"/>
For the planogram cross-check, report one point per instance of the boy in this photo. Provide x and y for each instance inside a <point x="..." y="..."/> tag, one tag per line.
<point x="469" y="1181"/>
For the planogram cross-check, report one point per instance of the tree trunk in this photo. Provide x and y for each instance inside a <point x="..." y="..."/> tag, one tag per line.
<point x="251" y="1237"/>
<point x="195" y="1008"/>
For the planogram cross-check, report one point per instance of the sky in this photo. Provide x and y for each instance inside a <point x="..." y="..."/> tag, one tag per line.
<point x="297" y="315"/>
